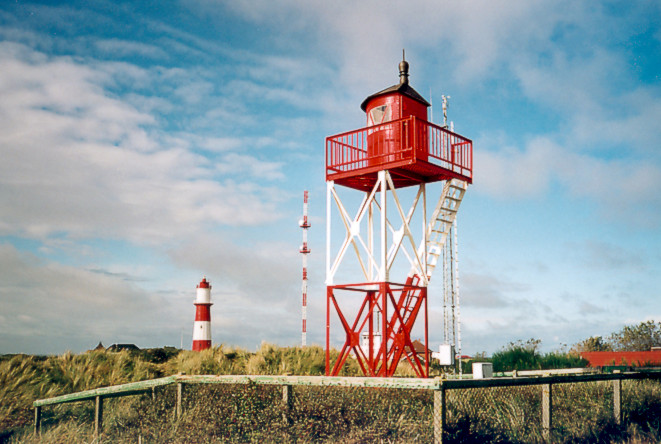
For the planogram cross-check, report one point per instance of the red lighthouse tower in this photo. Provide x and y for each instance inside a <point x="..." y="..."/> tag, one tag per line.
<point x="399" y="149"/>
<point x="202" y="326"/>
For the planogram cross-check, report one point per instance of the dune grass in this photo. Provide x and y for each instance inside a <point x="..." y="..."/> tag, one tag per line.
<point x="251" y="413"/>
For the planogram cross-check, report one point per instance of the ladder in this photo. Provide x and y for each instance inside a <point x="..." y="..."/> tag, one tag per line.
<point x="439" y="226"/>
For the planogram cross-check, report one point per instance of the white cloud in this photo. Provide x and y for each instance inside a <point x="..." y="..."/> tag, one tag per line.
<point x="122" y="48"/>
<point x="56" y="307"/>
<point x="253" y="167"/>
<point x="512" y="173"/>
<point x="617" y="185"/>
<point x="50" y="303"/>
<point x="194" y="92"/>
<point x="598" y="107"/>
<point x="490" y="292"/>
<point x="256" y="270"/>
<point x="602" y="255"/>
<point x="472" y="37"/>
<point x="77" y="160"/>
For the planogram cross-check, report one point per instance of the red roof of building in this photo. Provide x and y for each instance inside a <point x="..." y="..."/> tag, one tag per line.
<point x="419" y="347"/>
<point x="631" y="359"/>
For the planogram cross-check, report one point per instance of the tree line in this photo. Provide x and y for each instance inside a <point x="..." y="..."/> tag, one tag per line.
<point x="525" y="355"/>
<point x="641" y="337"/>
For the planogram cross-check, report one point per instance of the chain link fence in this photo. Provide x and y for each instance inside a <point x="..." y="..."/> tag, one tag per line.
<point x="493" y="413"/>
<point x="509" y="410"/>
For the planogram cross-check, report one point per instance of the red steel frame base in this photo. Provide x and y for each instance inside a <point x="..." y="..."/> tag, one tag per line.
<point x="399" y="306"/>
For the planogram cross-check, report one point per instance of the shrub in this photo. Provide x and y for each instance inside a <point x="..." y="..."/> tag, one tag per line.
<point x="521" y="355"/>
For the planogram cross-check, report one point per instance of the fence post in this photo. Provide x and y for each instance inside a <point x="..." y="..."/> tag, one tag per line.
<point x="439" y="414"/>
<point x="617" y="400"/>
<point x="287" y="402"/>
<point x="98" y="416"/>
<point x="37" y="420"/>
<point x="547" y="407"/>
<point x="180" y="390"/>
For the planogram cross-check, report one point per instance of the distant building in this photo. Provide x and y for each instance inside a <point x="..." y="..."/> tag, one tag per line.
<point x="419" y="349"/>
<point x="122" y="347"/>
<point x="650" y="358"/>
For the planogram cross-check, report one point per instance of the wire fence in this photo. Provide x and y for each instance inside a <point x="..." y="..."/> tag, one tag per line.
<point x="320" y="409"/>
<point x="493" y="411"/>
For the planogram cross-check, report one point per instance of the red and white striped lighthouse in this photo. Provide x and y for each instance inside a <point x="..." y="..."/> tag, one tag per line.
<point x="202" y="326"/>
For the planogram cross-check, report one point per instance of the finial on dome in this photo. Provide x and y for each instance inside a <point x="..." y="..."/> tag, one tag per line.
<point x="403" y="69"/>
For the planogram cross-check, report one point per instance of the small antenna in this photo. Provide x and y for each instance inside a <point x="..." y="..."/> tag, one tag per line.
<point x="445" y="111"/>
<point x="431" y="106"/>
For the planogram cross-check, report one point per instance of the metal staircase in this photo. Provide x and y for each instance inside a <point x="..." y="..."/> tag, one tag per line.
<point x="441" y="222"/>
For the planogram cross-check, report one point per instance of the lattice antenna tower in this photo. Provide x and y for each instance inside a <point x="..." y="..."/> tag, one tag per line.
<point x="304" y="223"/>
<point x="450" y="288"/>
<point x="451" y="299"/>
<point x="457" y="311"/>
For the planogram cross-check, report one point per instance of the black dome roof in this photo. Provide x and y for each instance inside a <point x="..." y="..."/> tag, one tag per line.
<point x="402" y="88"/>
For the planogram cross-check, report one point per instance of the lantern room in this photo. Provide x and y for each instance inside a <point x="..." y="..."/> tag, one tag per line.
<point x="397" y="138"/>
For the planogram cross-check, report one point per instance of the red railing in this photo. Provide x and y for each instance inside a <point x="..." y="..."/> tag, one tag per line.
<point x="399" y="143"/>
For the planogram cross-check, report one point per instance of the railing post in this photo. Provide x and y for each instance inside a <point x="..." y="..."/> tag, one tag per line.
<point x="414" y="130"/>
<point x="180" y="390"/>
<point x="448" y="139"/>
<point x="439" y="414"/>
<point x="547" y="410"/>
<point x="37" y="420"/>
<point x="617" y="400"/>
<point x="287" y="403"/>
<point x="98" y="416"/>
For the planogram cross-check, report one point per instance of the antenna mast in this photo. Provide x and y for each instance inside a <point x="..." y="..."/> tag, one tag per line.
<point x="451" y="306"/>
<point x="456" y="314"/>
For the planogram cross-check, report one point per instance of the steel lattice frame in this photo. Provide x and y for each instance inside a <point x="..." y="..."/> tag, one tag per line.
<point x="398" y="304"/>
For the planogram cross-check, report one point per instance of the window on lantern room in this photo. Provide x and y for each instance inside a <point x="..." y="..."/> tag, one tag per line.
<point x="379" y="114"/>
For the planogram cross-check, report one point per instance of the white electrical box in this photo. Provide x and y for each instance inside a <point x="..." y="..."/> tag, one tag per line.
<point x="365" y="343"/>
<point x="445" y="354"/>
<point x="482" y="370"/>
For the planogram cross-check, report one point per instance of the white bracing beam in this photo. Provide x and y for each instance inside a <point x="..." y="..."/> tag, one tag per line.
<point x="387" y="237"/>
<point x="375" y="265"/>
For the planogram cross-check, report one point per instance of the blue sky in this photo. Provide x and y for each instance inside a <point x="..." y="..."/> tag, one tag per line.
<point x="147" y="144"/>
